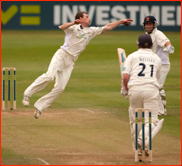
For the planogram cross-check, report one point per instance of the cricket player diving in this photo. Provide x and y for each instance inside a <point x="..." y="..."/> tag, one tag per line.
<point x="162" y="47"/>
<point x="141" y="73"/>
<point x="77" y="37"/>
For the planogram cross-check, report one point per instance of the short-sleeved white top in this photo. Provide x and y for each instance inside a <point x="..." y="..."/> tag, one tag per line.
<point x="144" y="67"/>
<point x="77" y="38"/>
<point x="159" y="40"/>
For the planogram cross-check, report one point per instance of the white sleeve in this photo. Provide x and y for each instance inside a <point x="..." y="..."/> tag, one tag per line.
<point x="127" y="65"/>
<point x="96" y="30"/>
<point x="69" y="29"/>
<point x="161" y="39"/>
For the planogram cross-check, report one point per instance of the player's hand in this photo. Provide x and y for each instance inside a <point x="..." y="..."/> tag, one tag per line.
<point x="123" y="91"/>
<point x="169" y="49"/>
<point x="127" y="21"/>
<point x="77" y="21"/>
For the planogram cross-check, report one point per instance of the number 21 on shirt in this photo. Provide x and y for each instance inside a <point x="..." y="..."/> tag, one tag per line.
<point x="141" y="74"/>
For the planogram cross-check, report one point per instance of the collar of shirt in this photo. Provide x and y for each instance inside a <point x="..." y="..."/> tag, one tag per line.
<point x="81" y="26"/>
<point x="145" y="49"/>
<point x="155" y="29"/>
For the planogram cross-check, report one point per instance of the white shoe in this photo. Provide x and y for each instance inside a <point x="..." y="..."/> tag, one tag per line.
<point x="37" y="113"/>
<point x="140" y="148"/>
<point x="25" y="100"/>
<point x="139" y="152"/>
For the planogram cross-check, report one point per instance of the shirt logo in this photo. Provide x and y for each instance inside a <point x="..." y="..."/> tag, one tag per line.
<point x="80" y="35"/>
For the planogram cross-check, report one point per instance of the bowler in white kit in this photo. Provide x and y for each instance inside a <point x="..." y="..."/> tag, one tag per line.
<point x="78" y="35"/>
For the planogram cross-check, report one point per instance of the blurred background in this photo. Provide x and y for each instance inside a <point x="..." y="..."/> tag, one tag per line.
<point x="48" y="15"/>
<point x="88" y="123"/>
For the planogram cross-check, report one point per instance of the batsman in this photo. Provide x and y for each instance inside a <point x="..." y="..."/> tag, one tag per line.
<point x="141" y="73"/>
<point x="162" y="47"/>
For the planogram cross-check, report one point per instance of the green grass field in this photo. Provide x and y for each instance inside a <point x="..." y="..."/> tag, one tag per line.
<point x="88" y="123"/>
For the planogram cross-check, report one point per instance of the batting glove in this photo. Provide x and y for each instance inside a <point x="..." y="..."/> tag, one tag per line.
<point x="169" y="49"/>
<point x="123" y="91"/>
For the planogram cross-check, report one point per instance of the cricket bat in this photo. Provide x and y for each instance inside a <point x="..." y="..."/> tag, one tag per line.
<point x="122" y="58"/>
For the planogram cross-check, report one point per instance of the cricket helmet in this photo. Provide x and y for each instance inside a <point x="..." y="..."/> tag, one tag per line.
<point x="151" y="19"/>
<point x="144" y="41"/>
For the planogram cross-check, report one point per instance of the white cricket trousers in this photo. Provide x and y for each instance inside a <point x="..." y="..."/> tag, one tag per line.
<point x="143" y="96"/>
<point x="61" y="67"/>
<point x="164" y="71"/>
<point x="162" y="102"/>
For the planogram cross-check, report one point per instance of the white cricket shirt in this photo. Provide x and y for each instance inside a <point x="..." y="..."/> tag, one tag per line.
<point x="159" y="40"/>
<point x="144" y="67"/>
<point x="77" y="39"/>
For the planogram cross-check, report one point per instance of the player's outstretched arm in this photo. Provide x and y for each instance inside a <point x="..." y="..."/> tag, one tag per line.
<point x="67" y="25"/>
<point x="113" y="25"/>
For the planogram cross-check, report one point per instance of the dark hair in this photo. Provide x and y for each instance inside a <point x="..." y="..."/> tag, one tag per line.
<point x="79" y="14"/>
<point x="144" y="41"/>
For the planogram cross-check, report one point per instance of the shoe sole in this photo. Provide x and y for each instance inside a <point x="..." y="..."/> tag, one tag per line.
<point x="35" y="115"/>
<point x="146" y="151"/>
